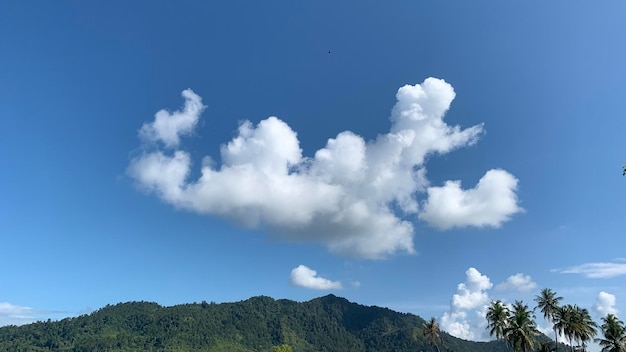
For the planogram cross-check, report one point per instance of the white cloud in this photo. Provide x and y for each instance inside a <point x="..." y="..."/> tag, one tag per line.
<point x="605" y="304"/>
<point x="305" y="277"/>
<point x="596" y="270"/>
<point x="352" y="196"/>
<point x="471" y="296"/>
<point x="518" y="282"/>
<point x="11" y="314"/>
<point x="168" y="128"/>
<point x="456" y="324"/>
<point x="472" y="293"/>
<point x="490" y="203"/>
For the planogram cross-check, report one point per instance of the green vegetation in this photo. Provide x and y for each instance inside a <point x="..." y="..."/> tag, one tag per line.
<point x="516" y="327"/>
<point x="521" y="329"/>
<point x="497" y="320"/>
<point x="431" y="333"/>
<point x="262" y="324"/>
<point x="614" y="335"/>
<point x="324" y="324"/>
<point x="548" y="303"/>
<point x="282" y="348"/>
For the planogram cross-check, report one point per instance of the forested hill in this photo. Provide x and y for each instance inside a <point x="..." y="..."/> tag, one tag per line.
<point x="327" y="323"/>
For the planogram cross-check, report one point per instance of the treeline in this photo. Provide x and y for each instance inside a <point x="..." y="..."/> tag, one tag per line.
<point x="515" y="326"/>
<point x="262" y="324"/>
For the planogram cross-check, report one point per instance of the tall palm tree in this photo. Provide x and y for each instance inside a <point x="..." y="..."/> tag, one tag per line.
<point x="576" y="324"/>
<point x="548" y="303"/>
<point x="522" y="328"/>
<point x="563" y="321"/>
<point x="497" y="319"/>
<point x="585" y="327"/>
<point x="614" y="335"/>
<point x="430" y="329"/>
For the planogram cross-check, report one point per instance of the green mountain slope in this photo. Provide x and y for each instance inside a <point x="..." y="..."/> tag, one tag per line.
<point x="327" y="323"/>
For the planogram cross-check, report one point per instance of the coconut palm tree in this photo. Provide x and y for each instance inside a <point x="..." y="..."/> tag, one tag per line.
<point x="614" y="333"/>
<point x="585" y="327"/>
<point x="522" y="329"/>
<point x="430" y="329"/>
<point x="563" y="322"/>
<point x="548" y="303"/>
<point x="576" y="324"/>
<point x="497" y="319"/>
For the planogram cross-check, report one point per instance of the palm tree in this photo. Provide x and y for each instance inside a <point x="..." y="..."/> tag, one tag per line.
<point x="576" y="324"/>
<point x="548" y="303"/>
<point x="431" y="332"/>
<point x="522" y="328"/>
<point x="497" y="319"/>
<point x="563" y="318"/>
<point x="614" y="335"/>
<point x="585" y="327"/>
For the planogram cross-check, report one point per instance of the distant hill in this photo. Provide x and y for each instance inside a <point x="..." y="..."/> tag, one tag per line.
<point x="327" y="323"/>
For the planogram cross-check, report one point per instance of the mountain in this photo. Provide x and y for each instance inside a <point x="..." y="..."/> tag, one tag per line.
<point x="328" y="323"/>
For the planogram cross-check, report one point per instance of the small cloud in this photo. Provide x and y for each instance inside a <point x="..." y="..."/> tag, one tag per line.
<point x="492" y="202"/>
<point x="546" y="329"/>
<point x="605" y="304"/>
<point x="595" y="270"/>
<point x="85" y="311"/>
<point x="11" y="314"/>
<point x="518" y="282"/>
<point x="303" y="276"/>
<point x="169" y="127"/>
<point x="356" y="284"/>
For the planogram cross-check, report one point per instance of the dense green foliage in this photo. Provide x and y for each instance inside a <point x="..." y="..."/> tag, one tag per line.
<point x="516" y="326"/>
<point x="521" y="329"/>
<point x="258" y="324"/>
<point x="431" y="332"/>
<point x="614" y="334"/>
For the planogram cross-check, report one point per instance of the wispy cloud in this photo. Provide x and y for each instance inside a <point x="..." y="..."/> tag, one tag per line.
<point x="595" y="270"/>
<point x="303" y="276"/>
<point x="352" y="195"/>
<point x="518" y="282"/>
<point x="11" y="314"/>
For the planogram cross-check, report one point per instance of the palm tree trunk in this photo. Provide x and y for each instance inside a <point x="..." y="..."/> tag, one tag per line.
<point x="556" y="341"/>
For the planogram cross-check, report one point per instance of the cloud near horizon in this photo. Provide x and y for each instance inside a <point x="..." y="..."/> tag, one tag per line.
<point x="306" y="277"/>
<point x="11" y="314"/>
<point x="356" y="197"/>
<point x="471" y="297"/>
<point x="465" y="317"/>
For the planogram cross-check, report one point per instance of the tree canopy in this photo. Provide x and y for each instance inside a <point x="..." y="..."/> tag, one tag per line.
<point x="261" y="324"/>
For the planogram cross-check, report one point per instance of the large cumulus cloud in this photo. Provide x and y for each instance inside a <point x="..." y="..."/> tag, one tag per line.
<point x="356" y="197"/>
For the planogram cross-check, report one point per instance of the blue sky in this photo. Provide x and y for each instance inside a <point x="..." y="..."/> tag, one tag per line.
<point x="247" y="183"/>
